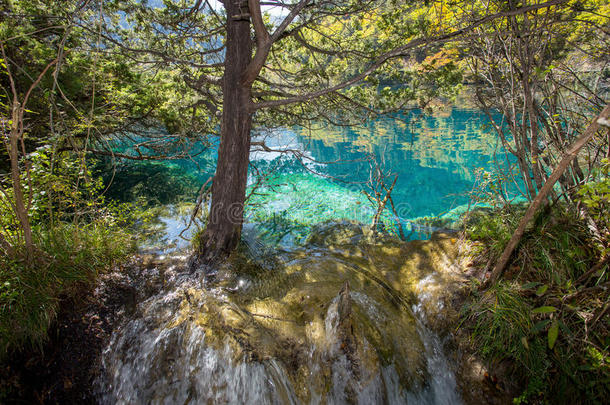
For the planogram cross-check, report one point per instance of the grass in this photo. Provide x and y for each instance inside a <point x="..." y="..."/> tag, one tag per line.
<point x="66" y="258"/>
<point x="502" y="325"/>
<point x="548" y="315"/>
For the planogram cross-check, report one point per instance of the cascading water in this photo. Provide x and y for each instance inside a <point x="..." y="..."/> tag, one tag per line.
<point x="331" y="322"/>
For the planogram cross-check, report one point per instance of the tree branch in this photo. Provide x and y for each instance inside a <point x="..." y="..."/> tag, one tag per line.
<point x="546" y="189"/>
<point x="400" y="51"/>
<point x="263" y="44"/>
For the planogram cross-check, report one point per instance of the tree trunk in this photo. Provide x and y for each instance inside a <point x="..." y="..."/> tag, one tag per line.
<point x="567" y="158"/>
<point x="19" y="207"/>
<point x="223" y="230"/>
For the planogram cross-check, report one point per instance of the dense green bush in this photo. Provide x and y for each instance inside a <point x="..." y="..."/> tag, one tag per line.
<point x="67" y="257"/>
<point x="76" y="233"/>
<point x="548" y="315"/>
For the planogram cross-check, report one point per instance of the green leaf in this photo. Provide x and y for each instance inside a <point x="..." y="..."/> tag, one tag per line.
<point x="527" y="286"/>
<point x="544" y="310"/>
<point x="540" y="326"/>
<point x="553" y="333"/>
<point x="524" y="343"/>
<point x="541" y="290"/>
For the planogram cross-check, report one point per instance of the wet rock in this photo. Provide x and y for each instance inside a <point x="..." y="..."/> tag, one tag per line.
<point x="336" y="233"/>
<point x="331" y="322"/>
<point x="345" y="327"/>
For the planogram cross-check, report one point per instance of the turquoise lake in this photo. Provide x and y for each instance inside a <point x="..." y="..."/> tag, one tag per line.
<point x="439" y="158"/>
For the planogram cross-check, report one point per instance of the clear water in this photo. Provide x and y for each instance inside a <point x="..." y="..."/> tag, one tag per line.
<point x="438" y="159"/>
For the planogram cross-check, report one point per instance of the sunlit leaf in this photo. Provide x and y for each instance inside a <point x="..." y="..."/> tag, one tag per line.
<point x="541" y="290"/>
<point x="544" y="310"/>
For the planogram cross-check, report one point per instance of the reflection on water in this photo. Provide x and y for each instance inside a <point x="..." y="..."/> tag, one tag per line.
<point x="437" y="159"/>
<point x="452" y="141"/>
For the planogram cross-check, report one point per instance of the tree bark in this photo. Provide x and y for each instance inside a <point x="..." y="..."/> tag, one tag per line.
<point x="20" y="209"/>
<point x="223" y="230"/>
<point x="543" y="193"/>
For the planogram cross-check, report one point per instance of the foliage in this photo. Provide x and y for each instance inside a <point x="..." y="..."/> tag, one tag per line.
<point x="77" y="233"/>
<point x="64" y="189"/>
<point x="548" y="313"/>
<point x="67" y="257"/>
<point x="89" y="96"/>
<point x="595" y="195"/>
<point x="494" y="230"/>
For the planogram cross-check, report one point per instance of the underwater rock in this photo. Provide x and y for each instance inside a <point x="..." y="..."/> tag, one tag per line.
<point x="335" y="233"/>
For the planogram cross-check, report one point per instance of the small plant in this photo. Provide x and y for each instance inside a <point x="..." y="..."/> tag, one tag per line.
<point x="547" y="314"/>
<point x="494" y="229"/>
<point x="502" y="328"/>
<point x="595" y="195"/>
<point x="67" y="256"/>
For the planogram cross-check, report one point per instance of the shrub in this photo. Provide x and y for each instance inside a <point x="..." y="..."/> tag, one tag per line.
<point x="67" y="257"/>
<point x="547" y="313"/>
<point x="76" y="233"/>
